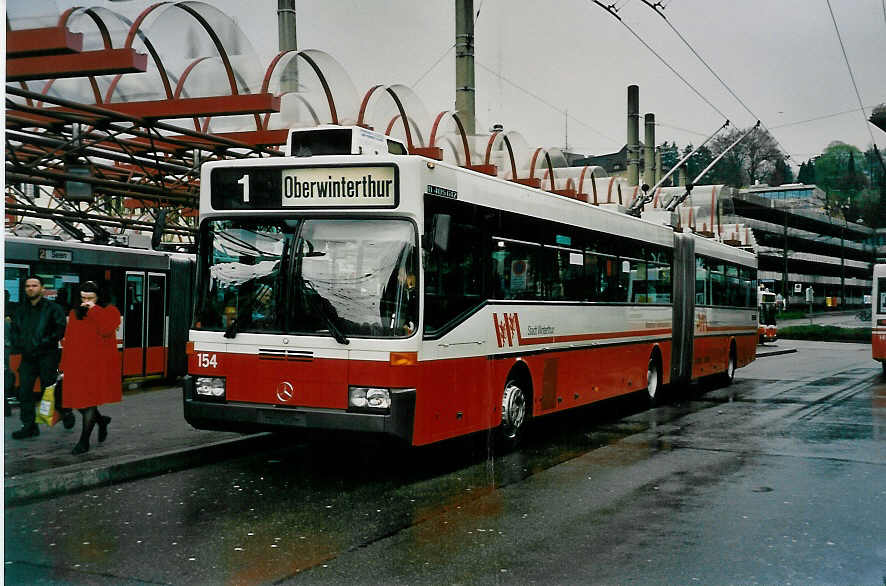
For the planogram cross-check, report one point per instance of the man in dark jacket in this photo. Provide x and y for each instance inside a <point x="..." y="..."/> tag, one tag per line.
<point x="37" y="327"/>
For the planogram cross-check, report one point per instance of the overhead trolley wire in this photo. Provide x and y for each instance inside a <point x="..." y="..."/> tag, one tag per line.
<point x="816" y="118"/>
<point x="432" y="67"/>
<point x="864" y="114"/>
<point x="543" y="101"/>
<point x="658" y="5"/>
<point x="611" y="9"/>
<point x="654" y="7"/>
<point x="665" y="125"/>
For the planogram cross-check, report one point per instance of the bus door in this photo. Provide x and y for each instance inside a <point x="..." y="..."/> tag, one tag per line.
<point x="144" y="324"/>
<point x="133" y="324"/>
<point x="14" y="295"/>
<point x="156" y="325"/>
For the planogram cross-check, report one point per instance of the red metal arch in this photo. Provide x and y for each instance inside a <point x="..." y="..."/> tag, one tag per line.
<point x="402" y="113"/>
<point x="96" y="93"/>
<point x="106" y="41"/>
<point x="461" y="131"/>
<point x="266" y="82"/>
<point x="581" y="178"/>
<point x="181" y="84"/>
<point x="609" y="190"/>
<point x="504" y="138"/>
<point x="634" y="195"/>
<point x="581" y="182"/>
<point x="130" y="37"/>
<point x="102" y="27"/>
<point x="222" y="52"/>
<point x="363" y="105"/>
<point x="550" y="169"/>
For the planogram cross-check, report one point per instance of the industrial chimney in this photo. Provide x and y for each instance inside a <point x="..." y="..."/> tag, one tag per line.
<point x="633" y="135"/>
<point x="649" y="150"/>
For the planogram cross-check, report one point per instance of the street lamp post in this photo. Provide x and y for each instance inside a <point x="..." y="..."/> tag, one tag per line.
<point x="844" y="207"/>
<point x="784" y="277"/>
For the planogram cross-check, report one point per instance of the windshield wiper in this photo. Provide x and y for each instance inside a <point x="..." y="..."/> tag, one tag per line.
<point x="316" y="301"/>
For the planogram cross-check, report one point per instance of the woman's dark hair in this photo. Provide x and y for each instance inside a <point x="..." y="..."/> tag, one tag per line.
<point x="90" y="287"/>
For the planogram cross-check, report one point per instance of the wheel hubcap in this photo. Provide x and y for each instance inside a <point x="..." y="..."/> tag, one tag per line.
<point x="513" y="410"/>
<point x="652" y="380"/>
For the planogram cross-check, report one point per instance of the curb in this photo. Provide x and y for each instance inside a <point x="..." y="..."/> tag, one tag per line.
<point x="776" y="352"/>
<point x="69" y="479"/>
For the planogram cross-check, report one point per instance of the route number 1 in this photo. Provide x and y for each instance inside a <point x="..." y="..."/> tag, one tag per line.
<point x="244" y="181"/>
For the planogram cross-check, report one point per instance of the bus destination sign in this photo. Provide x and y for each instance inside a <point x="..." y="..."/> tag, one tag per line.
<point x="268" y="188"/>
<point x="339" y="187"/>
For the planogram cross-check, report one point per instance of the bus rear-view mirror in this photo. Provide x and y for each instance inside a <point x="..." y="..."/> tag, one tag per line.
<point x="439" y="236"/>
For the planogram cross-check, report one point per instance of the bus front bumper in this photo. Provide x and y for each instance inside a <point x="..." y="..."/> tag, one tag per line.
<point x="251" y="417"/>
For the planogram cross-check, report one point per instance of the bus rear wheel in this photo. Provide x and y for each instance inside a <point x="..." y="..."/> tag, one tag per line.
<point x="729" y="375"/>
<point x="514" y="414"/>
<point x="653" y="381"/>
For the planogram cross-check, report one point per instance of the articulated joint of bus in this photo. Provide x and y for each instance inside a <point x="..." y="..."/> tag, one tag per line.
<point x="370" y="410"/>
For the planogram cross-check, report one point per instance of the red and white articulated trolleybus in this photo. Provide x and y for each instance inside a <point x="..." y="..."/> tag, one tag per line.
<point x="878" y="315"/>
<point x="383" y="292"/>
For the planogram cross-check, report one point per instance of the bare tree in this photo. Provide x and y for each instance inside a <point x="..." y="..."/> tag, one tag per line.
<point x="753" y="158"/>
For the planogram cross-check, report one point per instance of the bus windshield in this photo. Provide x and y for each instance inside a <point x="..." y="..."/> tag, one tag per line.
<point x="767" y="308"/>
<point x="338" y="277"/>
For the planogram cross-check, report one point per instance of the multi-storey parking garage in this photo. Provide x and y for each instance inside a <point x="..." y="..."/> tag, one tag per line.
<point x="800" y="247"/>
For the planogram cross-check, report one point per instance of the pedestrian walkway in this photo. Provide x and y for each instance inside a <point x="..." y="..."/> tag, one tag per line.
<point x="147" y="435"/>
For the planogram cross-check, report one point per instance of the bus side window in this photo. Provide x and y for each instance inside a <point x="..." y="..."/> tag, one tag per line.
<point x="453" y="279"/>
<point x="702" y="286"/>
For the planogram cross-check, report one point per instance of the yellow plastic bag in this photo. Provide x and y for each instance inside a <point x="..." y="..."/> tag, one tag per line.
<point x="46" y="412"/>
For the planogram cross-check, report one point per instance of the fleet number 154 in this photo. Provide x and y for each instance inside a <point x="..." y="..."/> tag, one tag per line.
<point x="207" y="360"/>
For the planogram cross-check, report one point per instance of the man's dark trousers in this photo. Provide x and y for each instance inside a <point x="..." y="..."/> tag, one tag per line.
<point x="45" y="368"/>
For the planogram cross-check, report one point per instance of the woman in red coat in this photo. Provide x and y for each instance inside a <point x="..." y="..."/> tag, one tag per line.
<point x="91" y="362"/>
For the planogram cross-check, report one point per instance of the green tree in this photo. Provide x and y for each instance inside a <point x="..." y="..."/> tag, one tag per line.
<point x="807" y="172"/>
<point x="876" y="173"/>
<point x="697" y="162"/>
<point x="782" y="173"/>
<point x="837" y="175"/>
<point x="670" y="155"/>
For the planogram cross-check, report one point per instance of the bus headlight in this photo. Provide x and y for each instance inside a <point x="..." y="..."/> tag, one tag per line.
<point x="369" y="399"/>
<point x="210" y="387"/>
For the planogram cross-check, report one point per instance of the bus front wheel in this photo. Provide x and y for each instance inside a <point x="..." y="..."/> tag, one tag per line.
<point x="514" y="414"/>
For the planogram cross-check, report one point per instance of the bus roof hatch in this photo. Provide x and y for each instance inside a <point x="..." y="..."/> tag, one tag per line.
<point x="340" y="140"/>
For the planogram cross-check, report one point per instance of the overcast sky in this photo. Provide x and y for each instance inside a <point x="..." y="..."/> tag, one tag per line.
<point x="537" y="61"/>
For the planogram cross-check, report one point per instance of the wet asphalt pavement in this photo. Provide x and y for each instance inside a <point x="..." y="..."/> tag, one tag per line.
<point x="780" y="478"/>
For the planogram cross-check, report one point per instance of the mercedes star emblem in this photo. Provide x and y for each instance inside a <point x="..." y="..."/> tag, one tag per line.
<point x="285" y="391"/>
